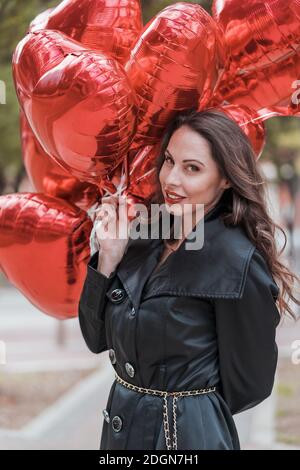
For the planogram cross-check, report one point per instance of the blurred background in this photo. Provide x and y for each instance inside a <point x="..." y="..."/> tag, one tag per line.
<point x="52" y="388"/>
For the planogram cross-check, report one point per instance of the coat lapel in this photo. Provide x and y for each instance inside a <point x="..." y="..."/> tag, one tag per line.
<point x="216" y="270"/>
<point x="137" y="265"/>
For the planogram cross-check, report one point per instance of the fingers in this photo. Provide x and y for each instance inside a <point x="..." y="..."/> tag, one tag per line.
<point x="108" y="205"/>
<point x="109" y="199"/>
<point x="113" y="210"/>
<point x="107" y="215"/>
<point x="124" y="225"/>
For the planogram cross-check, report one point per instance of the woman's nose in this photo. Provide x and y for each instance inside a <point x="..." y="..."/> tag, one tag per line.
<point x="173" y="177"/>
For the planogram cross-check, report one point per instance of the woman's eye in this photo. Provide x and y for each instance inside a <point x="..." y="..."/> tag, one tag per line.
<point x="194" y="167"/>
<point x="168" y="159"/>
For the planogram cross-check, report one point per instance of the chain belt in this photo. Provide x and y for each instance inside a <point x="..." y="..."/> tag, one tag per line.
<point x="165" y="394"/>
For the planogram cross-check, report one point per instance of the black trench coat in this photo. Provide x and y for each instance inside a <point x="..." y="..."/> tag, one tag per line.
<point x="206" y="317"/>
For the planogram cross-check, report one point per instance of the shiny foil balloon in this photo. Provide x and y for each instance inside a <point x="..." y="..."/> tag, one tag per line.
<point x="263" y="42"/>
<point x="79" y="104"/>
<point x="44" y="250"/>
<point x="41" y="21"/>
<point x="50" y="178"/>
<point x="250" y="122"/>
<point x="175" y="64"/>
<point x="105" y="26"/>
<point x="143" y="184"/>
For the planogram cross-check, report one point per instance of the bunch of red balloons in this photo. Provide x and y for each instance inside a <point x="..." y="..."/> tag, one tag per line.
<point x="96" y="90"/>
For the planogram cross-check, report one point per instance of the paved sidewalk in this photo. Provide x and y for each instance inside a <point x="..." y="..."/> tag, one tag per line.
<point x="75" y="421"/>
<point x="31" y="338"/>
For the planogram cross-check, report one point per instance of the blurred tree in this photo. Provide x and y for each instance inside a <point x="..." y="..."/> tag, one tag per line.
<point x="15" y="16"/>
<point x="283" y="138"/>
<point x="152" y="7"/>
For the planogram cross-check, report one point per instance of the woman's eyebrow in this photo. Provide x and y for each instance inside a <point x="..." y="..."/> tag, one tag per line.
<point x="188" y="160"/>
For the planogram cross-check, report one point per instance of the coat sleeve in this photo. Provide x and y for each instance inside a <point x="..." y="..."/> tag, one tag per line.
<point x="91" y="309"/>
<point x="246" y="330"/>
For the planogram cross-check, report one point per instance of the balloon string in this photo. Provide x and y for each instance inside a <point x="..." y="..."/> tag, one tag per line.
<point x="92" y="212"/>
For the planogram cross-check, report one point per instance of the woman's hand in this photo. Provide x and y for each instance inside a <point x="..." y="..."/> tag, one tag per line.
<point x="112" y="232"/>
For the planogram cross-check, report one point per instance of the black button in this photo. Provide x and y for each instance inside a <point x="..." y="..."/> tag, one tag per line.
<point x="132" y="312"/>
<point x="117" y="295"/>
<point x="112" y="356"/>
<point x="129" y="369"/>
<point x="116" y="423"/>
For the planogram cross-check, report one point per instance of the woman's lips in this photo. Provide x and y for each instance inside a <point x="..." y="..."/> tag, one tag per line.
<point x="173" y="200"/>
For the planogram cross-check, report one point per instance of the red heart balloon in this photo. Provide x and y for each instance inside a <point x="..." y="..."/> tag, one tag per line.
<point x="44" y="250"/>
<point x="79" y="104"/>
<point x="143" y="184"/>
<point x="263" y="42"/>
<point x="50" y="178"/>
<point x="101" y="25"/>
<point x="250" y="122"/>
<point x="174" y="65"/>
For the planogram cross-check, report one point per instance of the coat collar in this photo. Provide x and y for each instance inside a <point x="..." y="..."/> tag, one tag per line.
<point x="216" y="270"/>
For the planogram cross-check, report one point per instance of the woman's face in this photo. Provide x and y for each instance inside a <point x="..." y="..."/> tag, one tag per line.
<point x="190" y="171"/>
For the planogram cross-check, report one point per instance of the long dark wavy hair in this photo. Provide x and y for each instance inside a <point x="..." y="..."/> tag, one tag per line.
<point x="246" y="199"/>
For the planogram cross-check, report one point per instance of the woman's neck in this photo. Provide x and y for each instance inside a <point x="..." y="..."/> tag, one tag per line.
<point x="174" y="243"/>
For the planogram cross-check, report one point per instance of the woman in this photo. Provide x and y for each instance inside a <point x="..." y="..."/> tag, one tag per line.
<point x="182" y="320"/>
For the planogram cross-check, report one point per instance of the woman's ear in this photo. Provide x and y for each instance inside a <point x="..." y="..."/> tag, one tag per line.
<point x="226" y="184"/>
